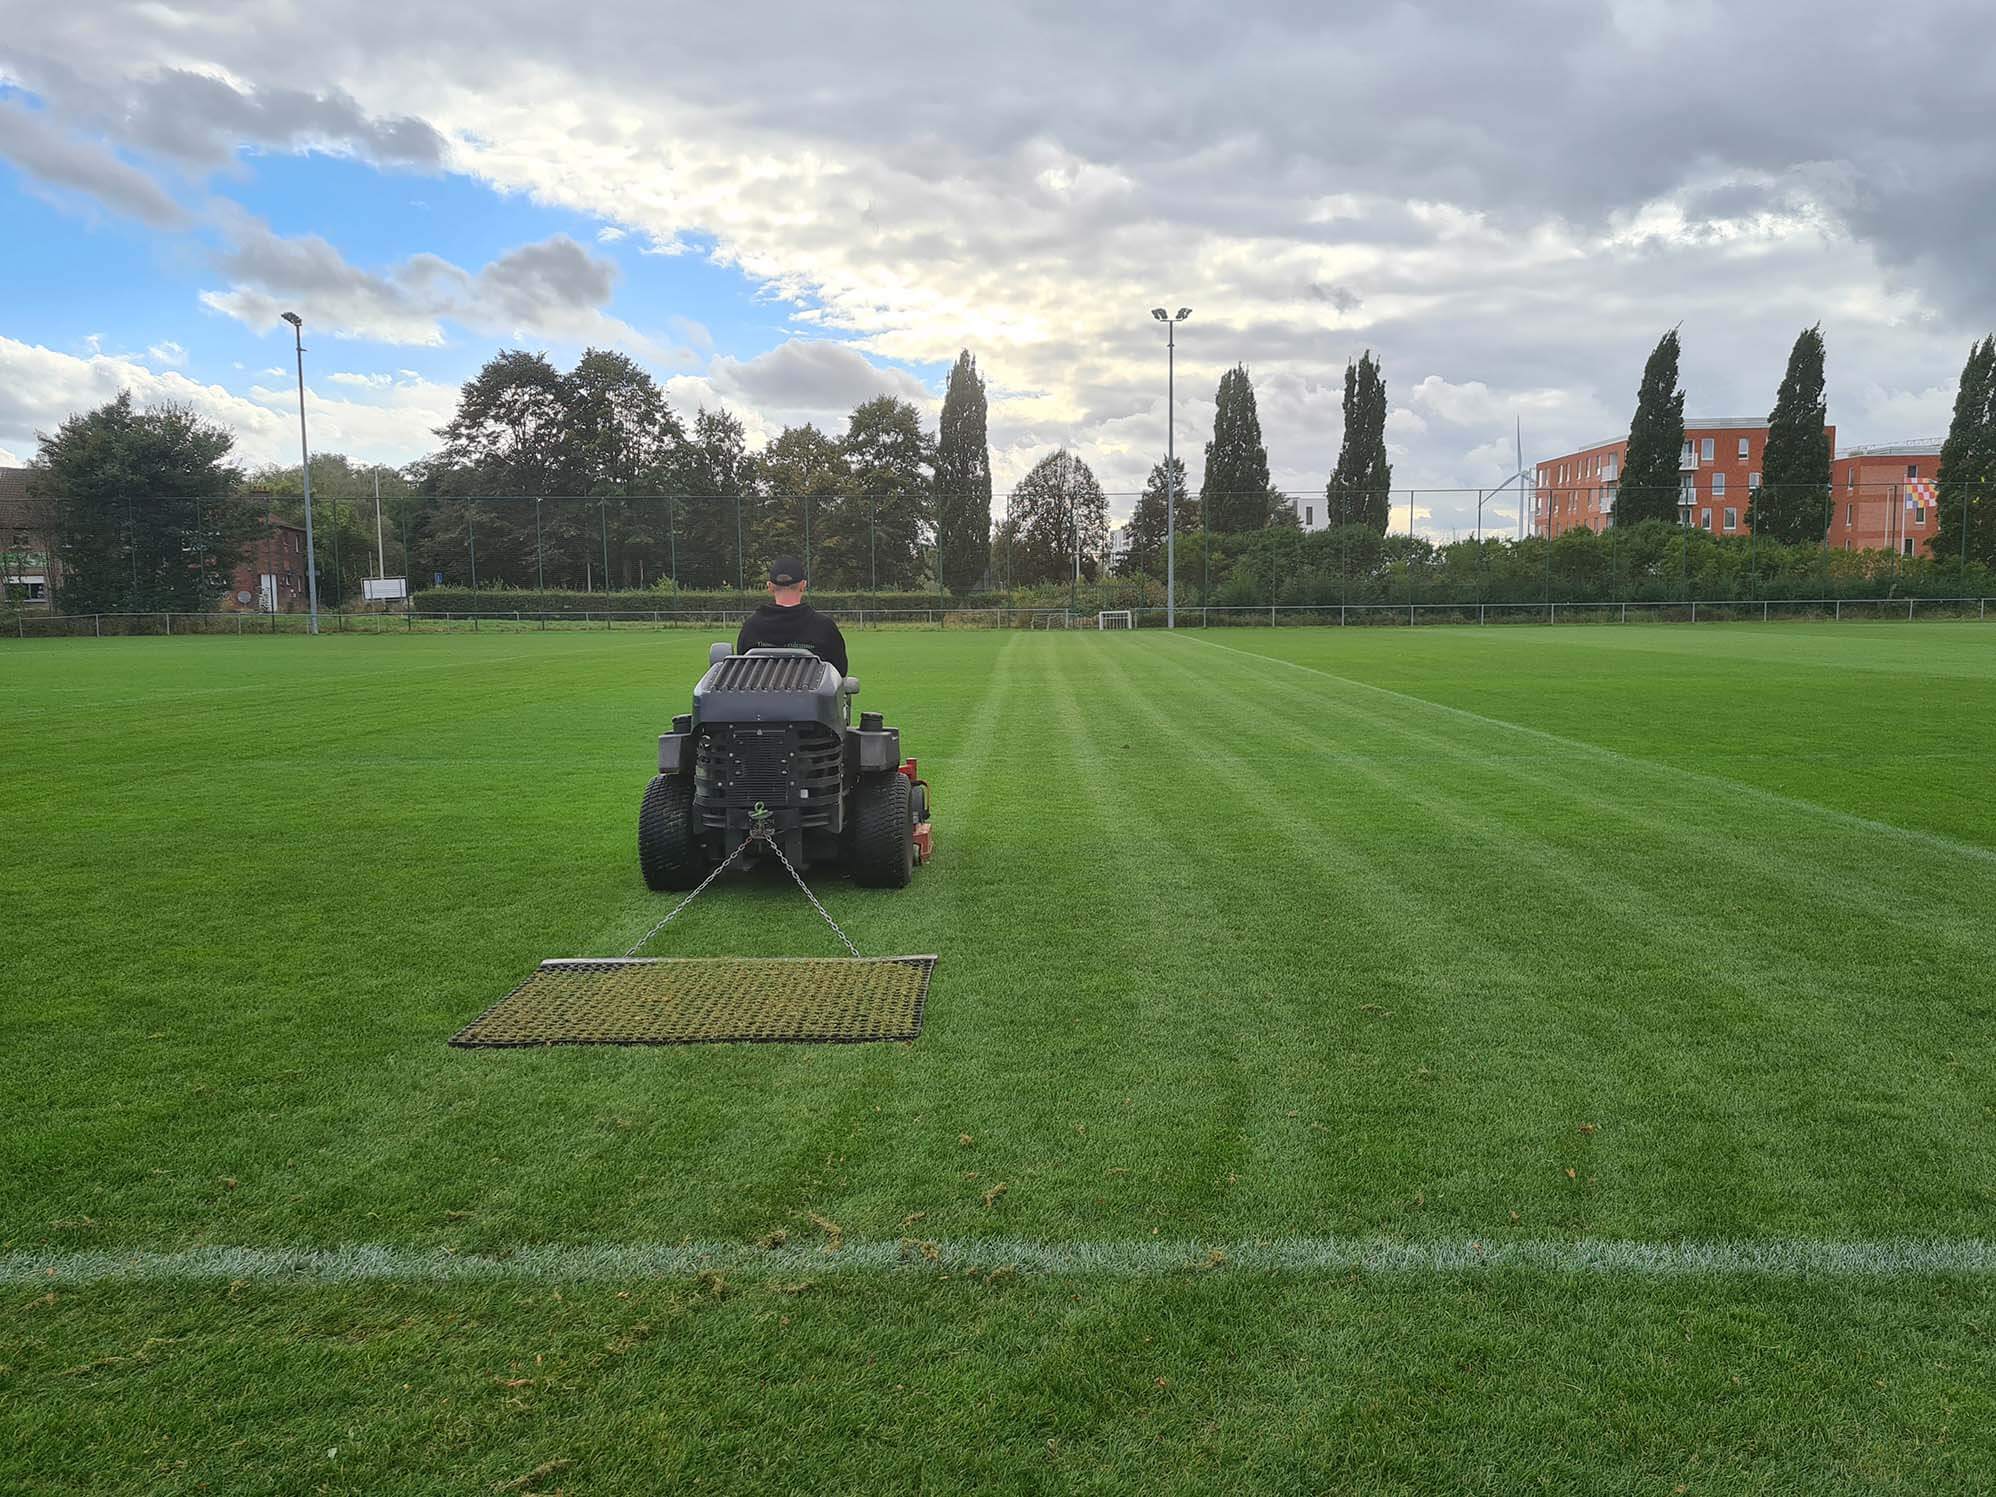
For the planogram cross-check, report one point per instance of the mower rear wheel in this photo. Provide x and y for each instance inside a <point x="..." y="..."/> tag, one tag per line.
<point x="883" y="842"/>
<point x="668" y="851"/>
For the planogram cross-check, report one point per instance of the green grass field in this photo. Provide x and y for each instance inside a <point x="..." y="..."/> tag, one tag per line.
<point x="1360" y="1061"/>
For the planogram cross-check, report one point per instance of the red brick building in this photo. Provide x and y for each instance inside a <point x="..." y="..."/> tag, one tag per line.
<point x="1883" y="498"/>
<point x="271" y="578"/>
<point x="28" y="570"/>
<point x="1717" y="471"/>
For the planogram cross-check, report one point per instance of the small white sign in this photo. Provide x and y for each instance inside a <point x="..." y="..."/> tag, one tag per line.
<point x="384" y="589"/>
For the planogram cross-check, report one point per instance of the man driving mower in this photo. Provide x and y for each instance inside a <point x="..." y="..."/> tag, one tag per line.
<point x="788" y="622"/>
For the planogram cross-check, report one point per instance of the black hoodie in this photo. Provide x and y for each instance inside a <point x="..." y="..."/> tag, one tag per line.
<point x="773" y="626"/>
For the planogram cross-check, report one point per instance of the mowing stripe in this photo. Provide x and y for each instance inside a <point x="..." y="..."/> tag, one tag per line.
<point x="1305" y="1257"/>
<point x="1752" y="792"/>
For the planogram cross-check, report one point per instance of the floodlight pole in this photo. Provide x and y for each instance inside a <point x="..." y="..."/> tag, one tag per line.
<point x="380" y="553"/>
<point x="540" y="554"/>
<point x="1171" y="461"/>
<point x="305" y="474"/>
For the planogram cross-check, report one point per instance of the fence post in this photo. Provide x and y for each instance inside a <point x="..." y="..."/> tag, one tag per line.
<point x="1694" y="610"/>
<point x="1271" y="616"/>
<point x="1479" y="613"/>
<point x="97" y="625"/>
<point x="1909" y="610"/>
<point x="1625" y="612"/>
<point x="169" y="624"/>
<point x="1763" y="610"/>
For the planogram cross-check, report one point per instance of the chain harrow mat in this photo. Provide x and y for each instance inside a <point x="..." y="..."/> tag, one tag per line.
<point x="708" y="1000"/>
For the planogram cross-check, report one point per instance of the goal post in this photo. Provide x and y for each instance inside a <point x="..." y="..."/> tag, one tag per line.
<point x="1115" y="618"/>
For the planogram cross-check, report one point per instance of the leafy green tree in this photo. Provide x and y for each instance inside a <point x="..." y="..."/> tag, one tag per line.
<point x="505" y="442"/>
<point x="1057" y="507"/>
<point x="1968" y="463"/>
<point x="145" y="507"/>
<point x="1649" y="482"/>
<point x="1360" y="490"/>
<point x="963" y="479"/>
<point x="617" y="428"/>
<point x="1144" y="556"/>
<point x="799" y="478"/>
<point x="874" y="535"/>
<point x="1792" y="503"/>
<point x="710" y="476"/>
<point x="1234" y="492"/>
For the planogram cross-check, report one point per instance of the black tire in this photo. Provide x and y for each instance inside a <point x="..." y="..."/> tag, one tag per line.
<point x="669" y="852"/>
<point x="883" y="841"/>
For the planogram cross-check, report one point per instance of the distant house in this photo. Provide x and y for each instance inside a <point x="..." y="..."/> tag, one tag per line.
<point x="271" y="577"/>
<point x="28" y="572"/>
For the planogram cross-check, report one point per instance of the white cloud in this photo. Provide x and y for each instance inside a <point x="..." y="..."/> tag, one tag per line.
<point x="40" y="386"/>
<point x="9" y="460"/>
<point x="168" y="353"/>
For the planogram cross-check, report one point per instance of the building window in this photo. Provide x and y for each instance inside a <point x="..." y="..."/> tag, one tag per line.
<point x="1912" y="470"/>
<point x="1850" y="478"/>
<point x="1743" y="442"/>
<point x="1919" y="514"/>
<point x="1309" y="515"/>
<point x="1732" y="519"/>
<point x="1718" y="485"/>
<point x="1705" y="518"/>
<point x="1908" y="545"/>
<point x="1752" y="481"/>
<point x="1706" y="449"/>
<point x="1850" y="511"/>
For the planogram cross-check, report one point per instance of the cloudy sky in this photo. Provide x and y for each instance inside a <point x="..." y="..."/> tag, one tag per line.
<point x="785" y="210"/>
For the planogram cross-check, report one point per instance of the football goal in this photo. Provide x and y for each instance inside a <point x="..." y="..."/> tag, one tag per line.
<point x="1115" y="618"/>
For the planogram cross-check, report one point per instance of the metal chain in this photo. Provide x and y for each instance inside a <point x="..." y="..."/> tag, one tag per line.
<point x="822" y="911"/>
<point x="759" y="834"/>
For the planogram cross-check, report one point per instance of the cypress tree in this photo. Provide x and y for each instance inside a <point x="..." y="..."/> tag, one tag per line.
<point x="1360" y="487"/>
<point x="1649" y="483"/>
<point x="1235" y="489"/>
<point x="1968" y="463"/>
<point x="963" y="479"/>
<point x="1792" y="504"/>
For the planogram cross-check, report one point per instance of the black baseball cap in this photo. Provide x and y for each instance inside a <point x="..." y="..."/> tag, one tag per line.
<point x="786" y="571"/>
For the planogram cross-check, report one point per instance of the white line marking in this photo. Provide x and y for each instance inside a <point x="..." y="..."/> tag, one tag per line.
<point x="1753" y="792"/>
<point x="1883" y="1258"/>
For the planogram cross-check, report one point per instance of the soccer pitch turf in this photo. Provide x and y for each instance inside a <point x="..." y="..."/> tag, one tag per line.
<point x="1371" y="1060"/>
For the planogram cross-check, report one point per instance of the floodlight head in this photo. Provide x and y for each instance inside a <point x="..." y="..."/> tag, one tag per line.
<point x="1183" y="313"/>
<point x="1158" y="313"/>
<point x="295" y="320"/>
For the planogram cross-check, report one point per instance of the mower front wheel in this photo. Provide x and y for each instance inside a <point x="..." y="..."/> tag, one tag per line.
<point x="669" y="853"/>
<point x="883" y="841"/>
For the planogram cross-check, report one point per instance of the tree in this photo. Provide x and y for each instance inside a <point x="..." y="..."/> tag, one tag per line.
<point x="963" y="479"/>
<point x="1235" y="489"/>
<point x="799" y="477"/>
<point x="505" y="439"/>
<point x="617" y="428"/>
<point x="145" y="508"/>
<point x="873" y="536"/>
<point x="1968" y="463"/>
<point x="1144" y="556"/>
<point x="1792" y="503"/>
<point x="1360" y="490"/>
<point x="1055" y="508"/>
<point x="709" y="475"/>
<point x="1649" y="483"/>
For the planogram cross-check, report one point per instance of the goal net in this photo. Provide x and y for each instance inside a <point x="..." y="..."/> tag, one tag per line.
<point x="1115" y="618"/>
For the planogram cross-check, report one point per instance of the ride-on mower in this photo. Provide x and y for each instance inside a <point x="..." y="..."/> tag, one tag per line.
<point x="770" y="752"/>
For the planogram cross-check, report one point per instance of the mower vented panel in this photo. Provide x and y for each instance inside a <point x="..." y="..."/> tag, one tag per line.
<point x="767" y="673"/>
<point x="708" y="1000"/>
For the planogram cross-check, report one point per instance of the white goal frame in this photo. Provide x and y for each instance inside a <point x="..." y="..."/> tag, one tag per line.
<point x="1116" y="618"/>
